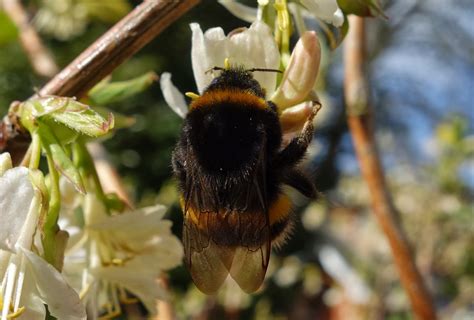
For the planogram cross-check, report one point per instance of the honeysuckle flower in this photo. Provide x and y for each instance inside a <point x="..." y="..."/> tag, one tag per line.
<point x="301" y="73"/>
<point x="253" y="48"/>
<point x="28" y="282"/>
<point x="326" y="10"/>
<point x="119" y="256"/>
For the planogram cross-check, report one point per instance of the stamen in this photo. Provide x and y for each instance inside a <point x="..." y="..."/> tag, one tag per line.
<point x="126" y="299"/>
<point x="113" y="309"/>
<point x="16" y="314"/>
<point x="12" y="315"/>
<point x="19" y="285"/>
<point x="226" y="64"/>
<point x="110" y="314"/>
<point x="192" y="95"/>
<point x="7" y="295"/>
<point x="84" y="290"/>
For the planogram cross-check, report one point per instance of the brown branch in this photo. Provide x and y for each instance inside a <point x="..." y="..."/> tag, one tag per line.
<point x="360" y="123"/>
<point x="123" y="40"/>
<point x="118" y="44"/>
<point x="40" y="58"/>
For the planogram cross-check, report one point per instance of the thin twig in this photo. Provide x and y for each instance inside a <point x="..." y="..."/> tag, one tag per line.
<point x="40" y="58"/>
<point x="118" y="44"/>
<point x="123" y="40"/>
<point x="356" y="90"/>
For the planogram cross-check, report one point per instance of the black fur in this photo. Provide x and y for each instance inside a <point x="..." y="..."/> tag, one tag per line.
<point x="226" y="149"/>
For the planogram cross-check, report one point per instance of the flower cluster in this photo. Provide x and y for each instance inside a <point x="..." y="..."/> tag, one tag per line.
<point x="255" y="47"/>
<point x="109" y="260"/>
<point x="28" y="281"/>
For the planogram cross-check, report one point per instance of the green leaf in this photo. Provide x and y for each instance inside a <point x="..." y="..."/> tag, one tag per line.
<point x="8" y="30"/>
<point x="107" y="11"/>
<point x="362" y="8"/>
<point x="71" y="113"/>
<point x="61" y="160"/>
<point x="108" y="92"/>
<point x="120" y="120"/>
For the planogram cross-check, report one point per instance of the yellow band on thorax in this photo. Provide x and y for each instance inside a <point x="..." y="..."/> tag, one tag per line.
<point x="228" y="96"/>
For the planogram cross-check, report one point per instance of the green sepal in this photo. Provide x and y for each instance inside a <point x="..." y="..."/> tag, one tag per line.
<point x="106" y="92"/>
<point x="362" y="8"/>
<point x="58" y="154"/>
<point x="71" y="113"/>
<point x="121" y="121"/>
<point x="64" y="134"/>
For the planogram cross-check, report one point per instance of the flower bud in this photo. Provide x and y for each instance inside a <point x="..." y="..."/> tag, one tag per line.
<point x="300" y="75"/>
<point x="294" y="118"/>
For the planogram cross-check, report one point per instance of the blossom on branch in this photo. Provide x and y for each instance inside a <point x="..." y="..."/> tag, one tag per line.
<point x="28" y="282"/>
<point x="254" y="47"/>
<point x="118" y="259"/>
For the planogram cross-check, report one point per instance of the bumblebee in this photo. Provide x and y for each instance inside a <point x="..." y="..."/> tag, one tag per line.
<point x="230" y="165"/>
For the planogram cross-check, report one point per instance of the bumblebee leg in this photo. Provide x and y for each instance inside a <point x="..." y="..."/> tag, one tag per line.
<point x="300" y="182"/>
<point x="296" y="149"/>
<point x="281" y="231"/>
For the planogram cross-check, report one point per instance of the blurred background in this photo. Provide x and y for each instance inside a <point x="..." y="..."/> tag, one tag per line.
<point x="337" y="265"/>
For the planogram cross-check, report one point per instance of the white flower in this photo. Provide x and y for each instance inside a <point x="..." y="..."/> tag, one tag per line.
<point x="253" y="48"/>
<point x="28" y="282"/>
<point x="300" y="75"/>
<point x="327" y="10"/>
<point x="121" y="255"/>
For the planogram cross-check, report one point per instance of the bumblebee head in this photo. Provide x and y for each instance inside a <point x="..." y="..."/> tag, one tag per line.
<point x="236" y="78"/>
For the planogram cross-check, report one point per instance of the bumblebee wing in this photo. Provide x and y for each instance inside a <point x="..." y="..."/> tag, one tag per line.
<point x="208" y="262"/>
<point x="250" y="265"/>
<point x="252" y="256"/>
<point x="205" y="260"/>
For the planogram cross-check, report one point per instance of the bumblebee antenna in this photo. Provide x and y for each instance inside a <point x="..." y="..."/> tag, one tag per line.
<point x="226" y="67"/>
<point x="215" y="69"/>
<point x="263" y="70"/>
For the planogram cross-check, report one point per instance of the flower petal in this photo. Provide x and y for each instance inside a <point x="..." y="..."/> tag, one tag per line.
<point x="34" y="306"/>
<point x="252" y="48"/>
<point x="63" y="302"/>
<point x="207" y="50"/>
<point x="256" y="48"/>
<point x="239" y="10"/>
<point x="300" y="75"/>
<point x="138" y="278"/>
<point x="16" y="195"/>
<point x="294" y="118"/>
<point x="94" y="209"/>
<point x="327" y="10"/>
<point x="5" y="162"/>
<point x="173" y="97"/>
<point x="139" y="220"/>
